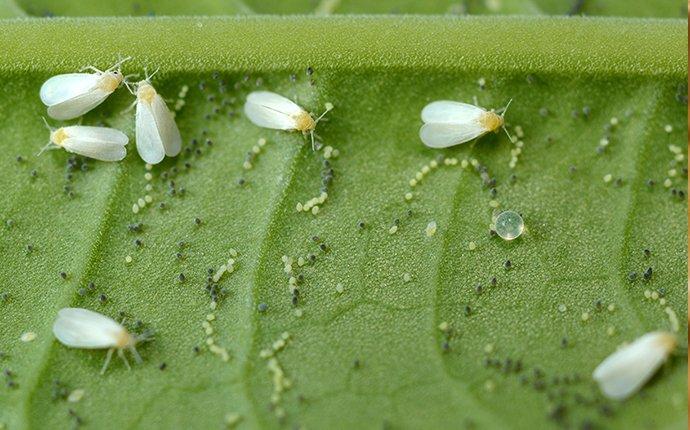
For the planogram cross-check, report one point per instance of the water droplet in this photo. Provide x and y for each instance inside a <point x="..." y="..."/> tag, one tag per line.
<point x="509" y="225"/>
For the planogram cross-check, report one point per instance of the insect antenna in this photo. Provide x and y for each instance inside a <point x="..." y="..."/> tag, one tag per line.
<point x="329" y="107"/>
<point x="505" y="109"/>
<point x="149" y="77"/>
<point x="119" y="63"/>
<point x="49" y="143"/>
<point x="503" y="113"/>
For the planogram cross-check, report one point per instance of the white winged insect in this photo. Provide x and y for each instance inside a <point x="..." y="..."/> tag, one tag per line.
<point x="100" y="143"/>
<point x="156" y="132"/>
<point x="625" y="371"/>
<point x="448" y="123"/>
<point x="72" y="95"/>
<point x="271" y="110"/>
<point x="85" y="329"/>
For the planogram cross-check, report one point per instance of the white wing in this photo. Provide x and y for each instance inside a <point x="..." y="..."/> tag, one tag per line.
<point x="100" y="143"/>
<point x="149" y="143"/>
<point x="82" y="328"/>
<point x="97" y="134"/>
<point x="170" y="134"/>
<point x="78" y="105"/>
<point x="450" y="111"/>
<point x="443" y="135"/>
<point x="61" y="88"/>
<point x="271" y="110"/>
<point x="625" y="371"/>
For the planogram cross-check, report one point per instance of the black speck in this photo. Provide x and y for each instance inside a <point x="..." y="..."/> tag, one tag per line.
<point x="181" y="277"/>
<point x="162" y="366"/>
<point x="647" y="274"/>
<point x="262" y="307"/>
<point x="507" y="264"/>
<point x="102" y="298"/>
<point x="63" y="275"/>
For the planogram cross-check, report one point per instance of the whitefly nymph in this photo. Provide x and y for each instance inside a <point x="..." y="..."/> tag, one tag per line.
<point x="85" y="329"/>
<point x="625" y="371"/>
<point x="270" y="110"/>
<point x="448" y="123"/>
<point x="71" y="95"/>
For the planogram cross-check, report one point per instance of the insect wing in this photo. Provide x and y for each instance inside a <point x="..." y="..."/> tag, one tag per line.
<point x="82" y="328"/>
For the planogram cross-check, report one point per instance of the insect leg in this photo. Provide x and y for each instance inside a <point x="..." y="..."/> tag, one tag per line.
<point x="107" y="360"/>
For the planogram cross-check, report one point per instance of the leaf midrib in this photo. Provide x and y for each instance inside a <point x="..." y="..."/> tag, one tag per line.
<point x="638" y="47"/>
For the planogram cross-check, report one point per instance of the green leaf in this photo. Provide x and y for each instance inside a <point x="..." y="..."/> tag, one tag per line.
<point x="372" y="355"/>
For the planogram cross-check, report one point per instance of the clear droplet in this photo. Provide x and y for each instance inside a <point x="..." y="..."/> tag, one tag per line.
<point x="509" y="225"/>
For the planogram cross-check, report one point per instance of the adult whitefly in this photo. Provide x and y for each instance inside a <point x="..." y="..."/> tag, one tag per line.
<point x="85" y="329"/>
<point x="157" y="134"/>
<point x="72" y="95"/>
<point x="99" y="143"/>
<point x="270" y="110"/>
<point x="448" y="123"/>
<point x="625" y="371"/>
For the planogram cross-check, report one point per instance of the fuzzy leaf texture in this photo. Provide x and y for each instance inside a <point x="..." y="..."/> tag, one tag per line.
<point x="365" y="349"/>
